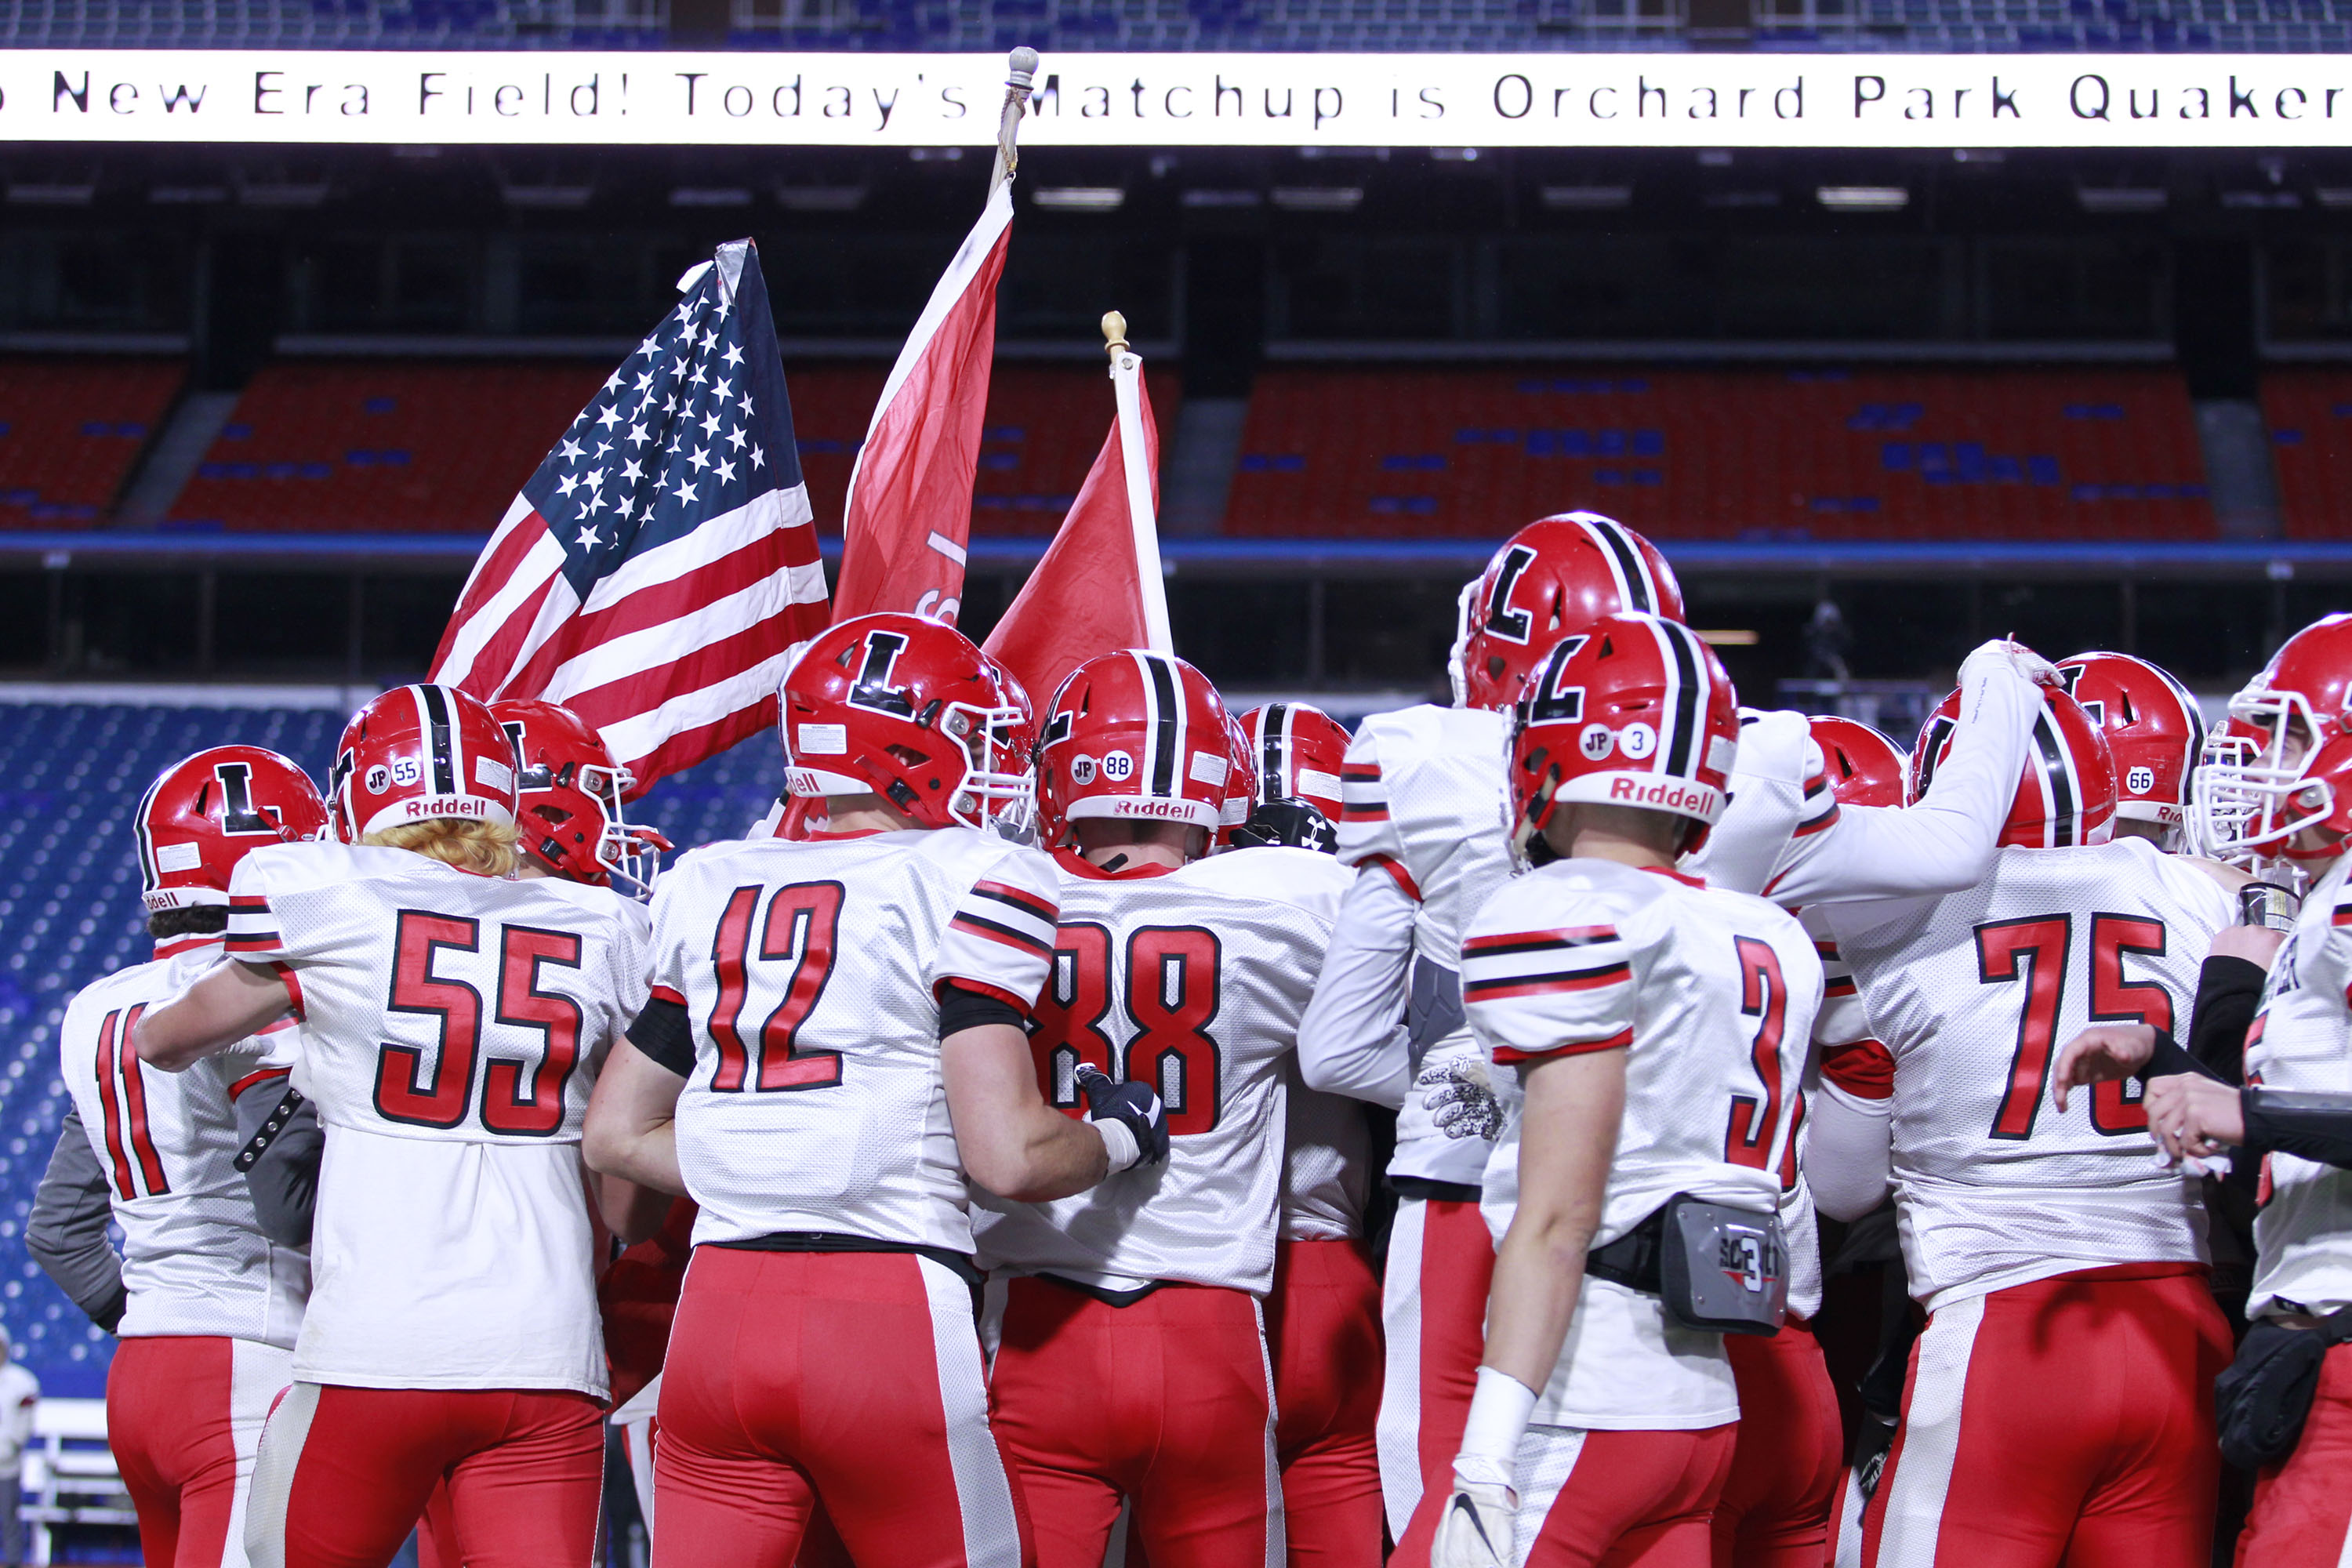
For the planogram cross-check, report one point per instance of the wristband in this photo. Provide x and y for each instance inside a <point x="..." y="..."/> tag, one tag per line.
<point x="1119" y="1143"/>
<point x="1500" y="1413"/>
<point x="2268" y="905"/>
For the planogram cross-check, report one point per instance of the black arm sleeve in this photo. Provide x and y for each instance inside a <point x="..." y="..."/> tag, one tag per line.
<point x="2229" y="991"/>
<point x="962" y="1008"/>
<point x="2169" y="1060"/>
<point x="2307" y="1125"/>
<point x="65" y="1231"/>
<point x="665" y="1035"/>
<point x="283" y="1144"/>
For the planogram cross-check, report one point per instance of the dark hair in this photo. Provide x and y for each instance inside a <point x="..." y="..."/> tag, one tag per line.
<point x="195" y="919"/>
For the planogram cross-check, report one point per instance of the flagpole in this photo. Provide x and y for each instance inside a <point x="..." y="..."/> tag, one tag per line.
<point x="1019" y="81"/>
<point x="1126" y="371"/>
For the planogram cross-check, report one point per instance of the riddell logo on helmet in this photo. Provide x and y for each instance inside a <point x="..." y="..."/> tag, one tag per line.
<point x="1175" y="810"/>
<point x="1665" y="795"/>
<point x="445" y="806"/>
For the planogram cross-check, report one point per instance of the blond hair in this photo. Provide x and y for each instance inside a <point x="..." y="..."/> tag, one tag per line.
<point x="486" y="848"/>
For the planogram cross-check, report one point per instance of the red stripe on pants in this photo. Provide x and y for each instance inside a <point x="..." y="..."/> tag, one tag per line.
<point x="167" y="1420"/>
<point x="1164" y="1402"/>
<point x="2303" y="1506"/>
<point x="1457" y="1263"/>
<point x="1775" y="1504"/>
<point x="793" y="1375"/>
<point x="525" y="1468"/>
<point x="2080" y="1430"/>
<point x="1323" y="1324"/>
<point x="1637" y="1500"/>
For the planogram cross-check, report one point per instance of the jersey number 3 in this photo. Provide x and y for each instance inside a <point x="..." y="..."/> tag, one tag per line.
<point x="1764" y="996"/>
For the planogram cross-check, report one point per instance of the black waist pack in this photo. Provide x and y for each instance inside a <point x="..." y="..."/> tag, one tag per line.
<point x="2261" y="1402"/>
<point x="1722" y="1269"/>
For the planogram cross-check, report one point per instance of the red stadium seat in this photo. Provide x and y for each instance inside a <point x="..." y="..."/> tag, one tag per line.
<point x="70" y="428"/>
<point x="2309" y="412"/>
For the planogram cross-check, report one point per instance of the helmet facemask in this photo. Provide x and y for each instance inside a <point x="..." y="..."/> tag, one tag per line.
<point x="2253" y="796"/>
<point x="999" y="792"/>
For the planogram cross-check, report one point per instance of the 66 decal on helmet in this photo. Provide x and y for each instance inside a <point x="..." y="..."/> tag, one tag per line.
<point x="1635" y="710"/>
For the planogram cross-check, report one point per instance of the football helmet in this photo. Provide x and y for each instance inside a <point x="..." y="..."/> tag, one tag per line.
<point x="1139" y="736"/>
<point x="1550" y="578"/>
<point x="203" y="813"/>
<point x="908" y="708"/>
<point x="1293" y="751"/>
<point x="420" y="753"/>
<point x="1864" y="767"/>
<point x="2156" y="732"/>
<point x="2066" y="792"/>
<point x="1630" y="710"/>
<point x="569" y="790"/>
<point x="2276" y="767"/>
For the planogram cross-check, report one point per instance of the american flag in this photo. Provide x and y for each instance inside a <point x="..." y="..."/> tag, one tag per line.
<point x="654" y="571"/>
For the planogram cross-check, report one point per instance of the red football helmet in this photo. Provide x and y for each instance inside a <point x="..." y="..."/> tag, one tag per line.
<point x="2155" y="731"/>
<point x="2066" y="793"/>
<point x="1552" y="577"/>
<point x="2275" y="768"/>
<point x="1631" y="711"/>
<point x="1864" y="767"/>
<point x="420" y="753"/>
<point x="569" y="790"/>
<point x="1293" y="751"/>
<point x="1140" y="735"/>
<point x="907" y="708"/>
<point x="203" y="813"/>
<point x="1241" y="783"/>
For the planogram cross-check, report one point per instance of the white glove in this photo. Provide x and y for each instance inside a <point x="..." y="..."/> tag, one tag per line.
<point x="1460" y="1098"/>
<point x="1475" y="1530"/>
<point x="2017" y="657"/>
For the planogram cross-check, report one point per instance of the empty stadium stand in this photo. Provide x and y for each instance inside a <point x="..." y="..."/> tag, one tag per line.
<point x="1939" y="454"/>
<point x="2309" y="412"/>
<point x="69" y="431"/>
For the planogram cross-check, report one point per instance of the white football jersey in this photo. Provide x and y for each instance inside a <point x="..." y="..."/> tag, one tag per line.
<point x="1973" y="994"/>
<point x="1713" y="994"/>
<point x="2301" y="1040"/>
<point x="810" y="972"/>
<point x="1193" y="979"/>
<point x="195" y="1260"/>
<point x="453" y="1026"/>
<point x="1327" y="1175"/>
<point x="1424" y="790"/>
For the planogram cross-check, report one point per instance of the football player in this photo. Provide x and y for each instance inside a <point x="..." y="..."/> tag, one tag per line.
<point x="834" y="1054"/>
<point x="2154" y="731"/>
<point x="1184" y="973"/>
<point x="205" y="1302"/>
<point x="454" y="1019"/>
<point x="1659" y="1028"/>
<point x="2048" y="1245"/>
<point x="569" y="791"/>
<point x="1323" y="1320"/>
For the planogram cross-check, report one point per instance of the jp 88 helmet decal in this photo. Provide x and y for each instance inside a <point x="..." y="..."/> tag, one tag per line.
<point x="202" y="814"/>
<point x="569" y="793"/>
<point x="1554" y="576"/>
<point x="2154" y="731"/>
<point x="2066" y="791"/>
<point x="1136" y="735"/>
<point x="909" y="710"/>
<point x="1632" y="710"/>
<point x="2284" y="762"/>
<point x="420" y="753"/>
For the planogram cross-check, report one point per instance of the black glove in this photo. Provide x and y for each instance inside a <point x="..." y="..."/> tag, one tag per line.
<point x="1291" y="825"/>
<point x="1135" y="1106"/>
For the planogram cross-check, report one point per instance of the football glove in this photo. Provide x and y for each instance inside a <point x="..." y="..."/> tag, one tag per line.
<point x="1287" y="824"/>
<point x="1475" y="1530"/>
<point x="1460" y="1097"/>
<point x="1134" y="1107"/>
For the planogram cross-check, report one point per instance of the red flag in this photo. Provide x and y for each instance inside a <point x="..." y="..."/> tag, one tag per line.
<point x="908" y="516"/>
<point x="1099" y="587"/>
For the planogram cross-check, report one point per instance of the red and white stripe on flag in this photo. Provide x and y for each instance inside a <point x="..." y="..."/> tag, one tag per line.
<point x="908" y="521"/>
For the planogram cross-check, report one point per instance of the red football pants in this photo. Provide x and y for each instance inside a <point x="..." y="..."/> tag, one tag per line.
<point x="1621" y="1499"/>
<point x="1165" y="1402"/>
<point x="2302" y="1507"/>
<point x="851" y="1376"/>
<point x="183" y="1415"/>
<point x="1433" y="1307"/>
<point x="2067" y="1421"/>
<point x="345" y="1473"/>
<point x="1323" y="1325"/>
<point x="1775" y="1504"/>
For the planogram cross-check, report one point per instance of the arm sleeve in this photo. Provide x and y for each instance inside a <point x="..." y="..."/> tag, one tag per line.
<point x="1000" y="940"/>
<point x="1351" y="1038"/>
<point x="665" y="1033"/>
<point x="1946" y="842"/>
<point x="1850" y="1160"/>
<point x="2308" y="1126"/>
<point x="961" y="1009"/>
<point x="1535" y="988"/>
<point x="1367" y="830"/>
<point x="283" y="1145"/>
<point x="2229" y="993"/>
<point x="65" y="1231"/>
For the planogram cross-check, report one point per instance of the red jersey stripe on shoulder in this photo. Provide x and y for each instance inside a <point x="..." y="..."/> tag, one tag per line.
<point x="1403" y="878"/>
<point x="1558" y="981"/>
<point x="664" y="994"/>
<point x="1352" y="812"/>
<point x="2343" y="915"/>
<point x="1684" y="878"/>
<point x="1538" y="940"/>
<point x="247" y="901"/>
<point x="1003" y="935"/>
<point x="1825" y="820"/>
<point x="251" y="941"/>
<point x="249" y="1079"/>
<point x="1359" y="773"/>
<point x="1506" y="1057"/>
<point x="1836" y="989"/>
<point x="1865" y="1069"/>
<point x="293" y="988"/>
<point x="1020" y="899"/>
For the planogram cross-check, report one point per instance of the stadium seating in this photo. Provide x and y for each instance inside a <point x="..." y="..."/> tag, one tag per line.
<point x="69" y="913"/>
<point x="1779" y="453"/>
<point x="69" y="429"/>
<point x="2310" y="417"/>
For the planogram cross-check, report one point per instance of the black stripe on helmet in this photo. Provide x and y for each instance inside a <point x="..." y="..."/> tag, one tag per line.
<point x="1615" y="539"/>
<point x="1939" y="734"/>
<point x="1690" y="705"/>
<point x="440" y="739"/>
<point x="1165" y="743"/>
<point x="1273" y="725"/>
<point x="2058" y="770"/>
